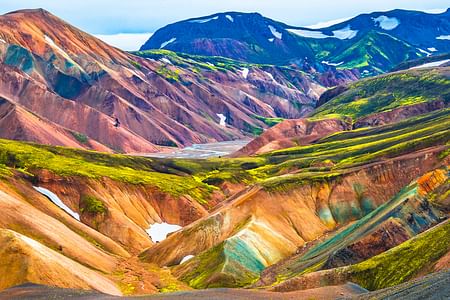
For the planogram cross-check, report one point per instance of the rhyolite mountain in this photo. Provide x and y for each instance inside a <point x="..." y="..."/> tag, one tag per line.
<point x="335" y="203"/>
<point x="61" y="86"/>
<point x="352" y="201"/>
<point x="373" y="43"/>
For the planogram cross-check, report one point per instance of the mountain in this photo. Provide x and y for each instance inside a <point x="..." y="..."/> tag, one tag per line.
<point x="349" y="200"/>
<point x="57" y="78"/>
<point x="343" y="206"/>
<point x="373" y="43"/>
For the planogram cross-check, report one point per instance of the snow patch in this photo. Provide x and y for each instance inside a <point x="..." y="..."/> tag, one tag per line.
<point x="158" y="232"/>
<point x="230" y="18"/>
<point x="186" y="258"/>
<point x="166" y="61"/>
<point x="2" y="41"/>
<point x="386" y="23"/>
<point x="167" y="42"/>
<point x="222" y="121"/>
<point x="245" y="72"/>
<point x="432" y="64"/>
<point x="270" y="76"/>
<point x="424" y="52"/>
<point x="201" y="21"/>
<point x="63" y="53"/>
<point x="55" y="199"/>
<point x="309" y="33"/>
<point x="275" y="32"/>
<point x="271" y="40"/>
<point x="443" y="37"/>
<point x="432" y="49"/>
<point x="342" y="34"/>
<point x="345" y="33"/>
<point x="332" y="64"/>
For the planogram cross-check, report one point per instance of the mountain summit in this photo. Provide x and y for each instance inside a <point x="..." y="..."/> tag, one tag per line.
<point x="373" y="43"/>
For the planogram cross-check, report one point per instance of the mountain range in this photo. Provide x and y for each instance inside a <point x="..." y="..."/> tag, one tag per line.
<point x="373" y="43"/>
<point x="341" y="191"/>
<point x="64" y="87"/>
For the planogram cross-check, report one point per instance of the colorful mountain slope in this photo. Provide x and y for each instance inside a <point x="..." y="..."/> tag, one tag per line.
<point x="131" y="104"/>
<point x="373" y="43"/>
<point x="386" y="93"/>
<point x="314" y="188"/>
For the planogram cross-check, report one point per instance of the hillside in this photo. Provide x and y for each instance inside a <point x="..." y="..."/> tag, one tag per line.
<point x="373" y="43"/>
<point x="343" y="192"/>
<point x="57" y="78"/>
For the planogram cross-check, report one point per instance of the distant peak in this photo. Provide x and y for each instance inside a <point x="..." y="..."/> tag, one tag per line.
<point x="30" y="11"/>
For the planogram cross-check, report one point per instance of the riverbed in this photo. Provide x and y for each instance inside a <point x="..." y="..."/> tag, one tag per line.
<point x="203" y="151"/>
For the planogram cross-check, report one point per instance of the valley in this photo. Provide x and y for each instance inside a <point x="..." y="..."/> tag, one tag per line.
<point x="231" y="157"/>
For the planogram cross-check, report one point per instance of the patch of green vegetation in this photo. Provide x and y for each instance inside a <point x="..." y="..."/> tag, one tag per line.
<point x="80" y="137"/>
<point x="92" y="205"/>
<point x="386" y="92"/>
<point x="269" y="121"/>
<point x="256" y="131"/>
<point x="94" y="165"/>
<point x="4" y="171"/>
<point x="168" y="74"/>
<point x="136" y="64"/>
<point x="403" y="262"/>
<point x="206" y="265"/>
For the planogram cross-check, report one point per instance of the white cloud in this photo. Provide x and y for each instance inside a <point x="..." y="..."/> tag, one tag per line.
<point x="125" y="41"/>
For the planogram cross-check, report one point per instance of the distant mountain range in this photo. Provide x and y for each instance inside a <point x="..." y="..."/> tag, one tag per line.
<point x="373" y="43"/>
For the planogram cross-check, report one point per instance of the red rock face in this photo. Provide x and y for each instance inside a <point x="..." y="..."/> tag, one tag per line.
<point x="399" y="114"/>
<point x="290" y="133"/>
<point x="77" y="82"/>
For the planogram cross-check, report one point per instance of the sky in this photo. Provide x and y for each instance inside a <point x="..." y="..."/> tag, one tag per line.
<point x="114" y="20"/>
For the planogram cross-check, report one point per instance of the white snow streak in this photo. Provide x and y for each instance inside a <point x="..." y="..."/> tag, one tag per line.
<point x="222" y="121"/>
<point x="342" y="34"/>
<point x="166" y="61"/>
<point x="167" y="42"/>
<point x="55" y="199"/>
<point x="270" y="75"/>
<point x="443" y="37"/>
<point x="271" y="40"/>
<point x="245" y="72"/>
<point x="424" y="52"/>
<point x="186" y="258"/>
<point x="332" y="64"/>
<point x="229" y="18"/>
<point x="201" y="21"/>
<point x="432" y="49"/>
<point x="432" y="64"/>
<point x="275" y="32"/>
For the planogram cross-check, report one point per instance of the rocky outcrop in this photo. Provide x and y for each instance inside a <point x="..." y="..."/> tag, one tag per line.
<point x="290" y="133"/>
<point x="399" y="114"/>
<point x="393" y="267"/>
